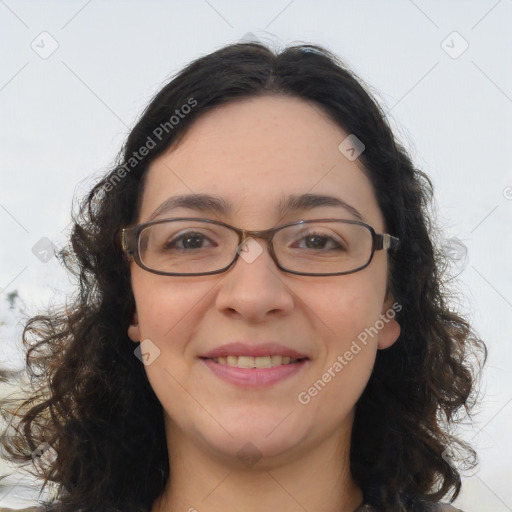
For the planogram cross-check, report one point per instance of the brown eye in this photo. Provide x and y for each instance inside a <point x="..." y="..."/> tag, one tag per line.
<point x="189" y="241"/>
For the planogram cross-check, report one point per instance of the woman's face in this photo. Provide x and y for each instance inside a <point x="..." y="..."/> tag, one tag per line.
<point x="254" y="154"/>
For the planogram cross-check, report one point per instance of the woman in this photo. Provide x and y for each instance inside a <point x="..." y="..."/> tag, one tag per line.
<point x="265" y="245"/>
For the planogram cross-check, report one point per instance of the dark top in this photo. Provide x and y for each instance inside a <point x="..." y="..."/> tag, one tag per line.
<point x="432" y="507"/>
<point x="440" y="507"/>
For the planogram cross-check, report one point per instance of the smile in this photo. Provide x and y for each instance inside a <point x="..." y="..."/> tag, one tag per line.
<point x="254" y="372"/>
<point x="269" y="361"/>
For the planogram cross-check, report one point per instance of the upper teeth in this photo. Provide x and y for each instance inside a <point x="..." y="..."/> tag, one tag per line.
<point x="254" y="362"/>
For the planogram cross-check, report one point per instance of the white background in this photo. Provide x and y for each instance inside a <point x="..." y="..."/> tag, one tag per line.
<point x="63" y="119"/>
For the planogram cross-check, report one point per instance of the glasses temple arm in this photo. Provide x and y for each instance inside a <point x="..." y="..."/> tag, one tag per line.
<point x="385" y="241"/>
<point x="125" y="242"/>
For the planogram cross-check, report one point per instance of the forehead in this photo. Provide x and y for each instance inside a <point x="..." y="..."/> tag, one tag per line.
<point x="255" y="153"/>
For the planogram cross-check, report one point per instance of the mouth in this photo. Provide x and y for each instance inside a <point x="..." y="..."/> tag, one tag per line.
<point x="250" y="362"/>
<point x="256" y="370"/>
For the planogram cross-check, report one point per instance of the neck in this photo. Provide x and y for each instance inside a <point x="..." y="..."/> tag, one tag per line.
<point x="318" y="479"/>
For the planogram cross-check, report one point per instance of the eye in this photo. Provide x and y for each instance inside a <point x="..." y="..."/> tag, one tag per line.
<point x="314" y="240"/>
<point x="190" y="240"/>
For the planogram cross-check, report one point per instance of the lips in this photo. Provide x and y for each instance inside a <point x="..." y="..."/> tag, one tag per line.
<point x="254" y="362"/>
<point x="254" y="350"/>
<point x="254" y="365"/>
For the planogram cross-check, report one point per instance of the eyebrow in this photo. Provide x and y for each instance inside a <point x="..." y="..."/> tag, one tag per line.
<point x="294" y="203"/>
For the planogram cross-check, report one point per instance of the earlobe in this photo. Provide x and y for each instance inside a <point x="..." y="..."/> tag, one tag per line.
<point x="390" y="331"/>
<point x="389" y="334"/>
<point x="133" y="329"/>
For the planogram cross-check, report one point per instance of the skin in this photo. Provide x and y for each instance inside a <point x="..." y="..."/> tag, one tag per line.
<point x="254" y="153"/>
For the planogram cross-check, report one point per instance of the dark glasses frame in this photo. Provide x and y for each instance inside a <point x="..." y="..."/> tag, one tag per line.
<point x="130" y="244"/>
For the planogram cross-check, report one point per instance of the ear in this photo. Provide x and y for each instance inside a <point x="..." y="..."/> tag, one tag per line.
<point x="391" y="328"/>
<point x="133" y="329"/>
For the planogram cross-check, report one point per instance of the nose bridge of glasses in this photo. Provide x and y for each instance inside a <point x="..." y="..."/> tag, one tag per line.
<point x="265" y="235"/>
<point x="251" y="251"/>
<point x="262" y="234"/>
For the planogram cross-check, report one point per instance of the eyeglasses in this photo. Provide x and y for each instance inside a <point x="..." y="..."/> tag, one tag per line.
<point x="198" y="247"/>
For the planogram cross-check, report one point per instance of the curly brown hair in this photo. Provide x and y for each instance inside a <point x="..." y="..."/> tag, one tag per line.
<point x="92" y="401"/>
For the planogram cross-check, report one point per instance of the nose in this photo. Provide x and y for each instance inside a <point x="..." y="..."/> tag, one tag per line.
<point x="254" y="288"/>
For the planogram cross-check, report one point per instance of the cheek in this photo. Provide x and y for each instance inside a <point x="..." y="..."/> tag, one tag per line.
<point x="349" y="307"/>
<point x="167" y="313"/>
<point x="348" y="352"/>
<point x="165" y="307"/>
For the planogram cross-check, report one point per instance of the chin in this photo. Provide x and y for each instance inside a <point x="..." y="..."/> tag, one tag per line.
<point x="253" y="437"/>
<point x="252" y="451"/>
